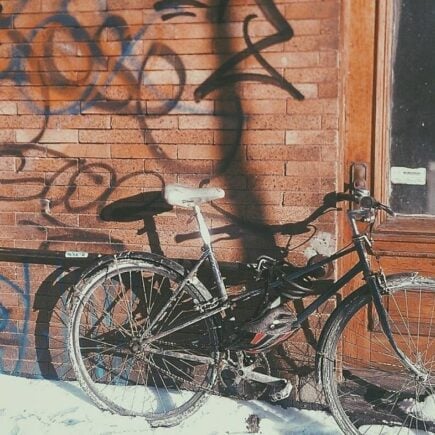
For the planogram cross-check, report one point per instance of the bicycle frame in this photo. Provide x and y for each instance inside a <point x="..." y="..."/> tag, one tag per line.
<point x="361" y="244"/>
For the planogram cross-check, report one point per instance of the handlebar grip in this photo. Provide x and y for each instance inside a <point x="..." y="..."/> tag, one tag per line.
<point x="341" y="196"/>
<point x="387" y="209"/>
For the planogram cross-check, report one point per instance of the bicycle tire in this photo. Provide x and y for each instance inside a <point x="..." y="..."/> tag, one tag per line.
<point x="366" y="385"/>
<point x="115" y="304"/>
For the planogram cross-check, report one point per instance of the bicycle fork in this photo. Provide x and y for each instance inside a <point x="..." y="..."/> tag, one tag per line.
<point x="374" y="286"/>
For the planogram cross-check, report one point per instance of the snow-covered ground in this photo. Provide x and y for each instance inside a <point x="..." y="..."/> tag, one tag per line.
<point x="35" y="407"/>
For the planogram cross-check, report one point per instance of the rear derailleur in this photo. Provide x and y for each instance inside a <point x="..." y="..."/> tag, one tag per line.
<point x="247" y="376"/>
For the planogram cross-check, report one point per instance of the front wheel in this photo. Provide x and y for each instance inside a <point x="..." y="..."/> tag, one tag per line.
<point x="367" y="386"/>
<point x="120" y="308"/>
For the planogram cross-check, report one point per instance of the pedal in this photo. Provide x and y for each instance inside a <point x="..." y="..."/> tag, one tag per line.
<point x="283" y="393"/>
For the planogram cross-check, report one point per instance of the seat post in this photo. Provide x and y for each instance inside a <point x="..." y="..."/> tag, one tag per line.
<point x="205" y="235"/>
<point x="203" y="229"/>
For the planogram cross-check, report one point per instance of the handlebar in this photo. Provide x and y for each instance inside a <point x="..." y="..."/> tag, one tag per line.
<point x="364" y="200"/>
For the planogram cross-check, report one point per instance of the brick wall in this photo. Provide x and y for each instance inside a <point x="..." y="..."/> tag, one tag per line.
<point x="104" y="102"/>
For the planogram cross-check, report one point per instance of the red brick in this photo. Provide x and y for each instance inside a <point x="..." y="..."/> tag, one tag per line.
<point x="283" y="122"/>
<point x="287" y="60"/>
<point x="323" y="9"/>
<point x="49" y="136"/>
<point x="254" y="107"/>
<point x="328" y="90"/>
<point x="78" y="122"/>
<point x="67" y="234"/>
<point x="256" y="167"/>
<point x="201" y="152"/>
<point x="321" y="106"/>
<point x="318" y="169"/>
<point x="329" y="153"/>
<point x="7" y="219"/>
<point x="144" y="122"/>
<point x="25" y="121"/>
<point x="297" y="198"/>
<point x="311" y="137"/>
<point x="152" y="151"/>
<point x="48" y="164"/>
<point x="7" y="164"/>
<point x="81" y="150"/>
<point x="179" y="166"/>
<point x="73" y="5"/>
<point x="125" y="4"/>
<point x="235" y="182"/>
<point x="8" y="108"/>
<point x="306" y="27"/>
<point x="264" y="92"/>
<point x="264" y="137"/>
<point x="234" y="196"/>
<point x="284" y="152"/>
<point x="142" y="181"/>
<point x="208" y="122"/>
<point x="329" y="26"/>
<point x="10" y="7"/>
<point x="279" y="214"/>
<point x="195" y="46"/>
<point x="328" y="59"/>
<point x="310" y="75"/>
<point x="330" y="122"/>
<point x="111" y="136"/>
<point x="71" y="220"/>
<point x="312" y="43"/>
<point x="109" y="166"/>
<point x="308" y="90"/>
<point x="296" y="184"/>
<point x="23" y="232"/>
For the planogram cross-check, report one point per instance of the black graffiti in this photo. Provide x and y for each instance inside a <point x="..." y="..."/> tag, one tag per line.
<point x="89" y="94"/>
<point x="223" y="77"/>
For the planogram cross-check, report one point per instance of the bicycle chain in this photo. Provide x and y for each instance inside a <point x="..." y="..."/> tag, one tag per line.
<point x="211" y="390"/>
<point x="205" y="389"/>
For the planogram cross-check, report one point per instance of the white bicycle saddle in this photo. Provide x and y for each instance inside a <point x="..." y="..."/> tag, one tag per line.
<point x="176" y="194"/>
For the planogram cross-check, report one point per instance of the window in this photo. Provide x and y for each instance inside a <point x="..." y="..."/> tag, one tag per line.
<point x="412" y="116"/>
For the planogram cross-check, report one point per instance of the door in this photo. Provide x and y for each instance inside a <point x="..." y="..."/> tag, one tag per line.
<point x="388" y="124"/>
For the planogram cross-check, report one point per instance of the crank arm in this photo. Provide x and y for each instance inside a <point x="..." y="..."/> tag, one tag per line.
<point x="282" y="387"/>
<point x="260" y="377"/>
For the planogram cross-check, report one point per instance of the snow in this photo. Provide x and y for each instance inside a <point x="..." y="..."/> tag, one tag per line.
<point x="40" y="407"/>
<point x="30" y="406"/>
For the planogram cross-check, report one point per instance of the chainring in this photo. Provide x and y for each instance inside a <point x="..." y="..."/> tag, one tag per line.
<point x="234" y="385"/>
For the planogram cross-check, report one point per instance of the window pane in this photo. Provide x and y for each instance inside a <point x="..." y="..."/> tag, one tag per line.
<point x="413" y="109"/>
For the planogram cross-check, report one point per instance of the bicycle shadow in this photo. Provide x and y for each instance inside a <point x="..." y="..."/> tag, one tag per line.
<point x="146" y="206"/>
<point x="51" y="330"/>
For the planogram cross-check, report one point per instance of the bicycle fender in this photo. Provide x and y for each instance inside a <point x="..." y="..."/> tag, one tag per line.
<point x="148" y="257"/>
<point x="394" y="280"/>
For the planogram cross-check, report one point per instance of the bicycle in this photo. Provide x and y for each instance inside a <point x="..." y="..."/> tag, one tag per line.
<point x="147" y="338"/>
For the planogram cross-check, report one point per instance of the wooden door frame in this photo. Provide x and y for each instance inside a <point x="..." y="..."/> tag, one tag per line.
<point x="357" y="62"/>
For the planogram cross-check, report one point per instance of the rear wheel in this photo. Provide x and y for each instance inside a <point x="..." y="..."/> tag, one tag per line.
<point x="114" y="355"/>
<point x="367" y="386"/>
